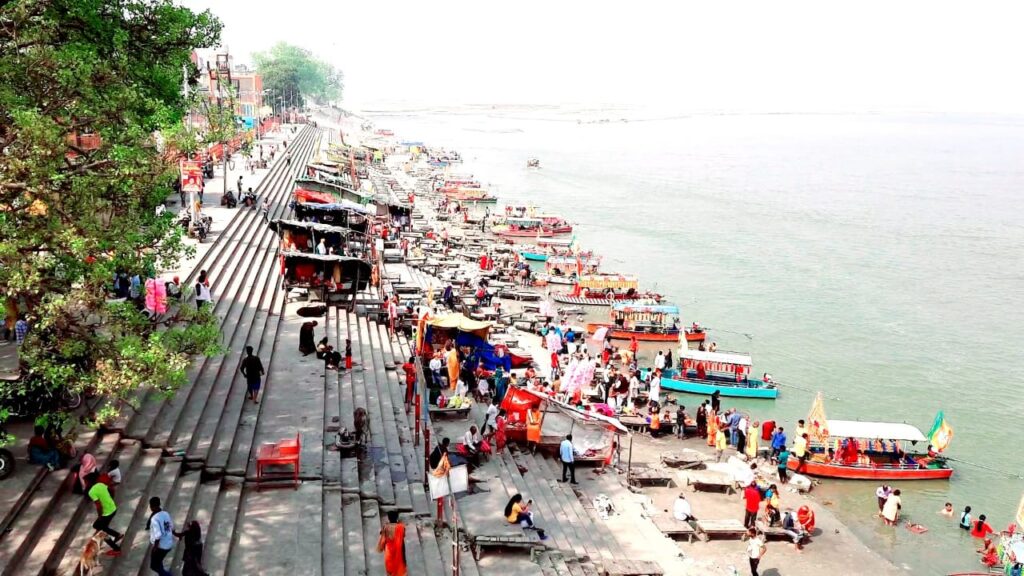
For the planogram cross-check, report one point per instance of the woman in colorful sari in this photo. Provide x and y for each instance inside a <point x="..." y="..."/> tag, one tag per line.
<point x="392" y="544"/>
<point x="500" y="423"/>
<point x="534" y="418"/>
<point x="751" y="446"/>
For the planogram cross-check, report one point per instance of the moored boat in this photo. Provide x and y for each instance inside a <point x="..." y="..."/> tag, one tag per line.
<point x="645" y="322"/>
<point x="727" y="373"/>
<point x="605" y="290"/>
<point x="855" y="450"/>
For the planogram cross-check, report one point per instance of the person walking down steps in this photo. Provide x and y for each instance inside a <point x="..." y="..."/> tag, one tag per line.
<point x="567" y="454"/>
<point x="252" y="369"/>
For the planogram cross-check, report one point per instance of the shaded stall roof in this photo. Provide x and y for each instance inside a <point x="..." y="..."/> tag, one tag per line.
<point x="278" y="224"/>
<point x="347" y="262"/>
<point x="342" y="205"/>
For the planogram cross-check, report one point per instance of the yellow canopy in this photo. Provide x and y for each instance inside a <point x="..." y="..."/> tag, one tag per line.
<point x="602" y="282"/>
<point x="460" y="322"/>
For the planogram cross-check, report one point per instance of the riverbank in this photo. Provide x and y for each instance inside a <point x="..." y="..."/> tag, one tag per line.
<point x="835" y="547"/>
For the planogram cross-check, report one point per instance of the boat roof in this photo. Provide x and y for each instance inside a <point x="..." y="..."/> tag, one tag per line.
<point x="518" y="220"/>
<point x="650" y="308"/>
<point x="607" y="281"/>
<point x="875" y="430"/>
<point x="735" y="358"/>
<point x="555" y="241"/>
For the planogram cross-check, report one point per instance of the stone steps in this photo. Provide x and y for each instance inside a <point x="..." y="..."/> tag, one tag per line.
<point x="72" y="509"/>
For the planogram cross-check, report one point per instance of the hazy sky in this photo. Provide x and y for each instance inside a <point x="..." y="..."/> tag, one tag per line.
<point x="709" y="55"/>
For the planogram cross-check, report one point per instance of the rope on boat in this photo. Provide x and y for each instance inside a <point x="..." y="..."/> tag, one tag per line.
<point x="807" y="390"/>
<point x="1015" y="475"/>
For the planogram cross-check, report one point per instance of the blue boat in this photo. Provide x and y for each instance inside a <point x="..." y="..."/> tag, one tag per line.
<point x="727" y="373"/>
<point x="534" y="256"/>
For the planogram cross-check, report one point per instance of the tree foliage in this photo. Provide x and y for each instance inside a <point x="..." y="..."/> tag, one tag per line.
<point x="72" y="216"/>
<point x="286" y="68"/>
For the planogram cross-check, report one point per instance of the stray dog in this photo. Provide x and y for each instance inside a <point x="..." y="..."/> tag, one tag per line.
<point x="89" y="562"/>
<point x="360" y="425"/>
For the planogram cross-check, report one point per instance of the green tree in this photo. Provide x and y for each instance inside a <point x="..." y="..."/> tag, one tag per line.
<point x="297" y="75"/>
<point x="75" y="209"/>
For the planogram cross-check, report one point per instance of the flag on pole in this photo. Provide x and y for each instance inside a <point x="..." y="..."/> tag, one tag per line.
<point x="817" y="422"/>
<point x="1020" y="513"/>
<point x="941" y="433"/>
<point x="599" y="334"/>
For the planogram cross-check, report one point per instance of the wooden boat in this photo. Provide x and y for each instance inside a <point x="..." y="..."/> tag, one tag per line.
<point x="646" y="322"/>
<point x="566" y="269"/>
<point x="727" y="373"/>
<point x="695" y="333"/>
<point x="605" y="290"/>
<point x="533" y="163"/>
<point x="882" y="459"/>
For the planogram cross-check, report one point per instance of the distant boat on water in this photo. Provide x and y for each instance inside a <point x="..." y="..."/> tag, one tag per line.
<point x="533" y="163"/>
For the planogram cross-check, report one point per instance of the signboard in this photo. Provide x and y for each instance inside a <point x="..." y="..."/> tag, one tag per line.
<point x="191" y="176"/>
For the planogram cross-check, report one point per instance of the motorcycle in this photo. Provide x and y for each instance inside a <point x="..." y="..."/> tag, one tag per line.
<point x="6" y="456"/>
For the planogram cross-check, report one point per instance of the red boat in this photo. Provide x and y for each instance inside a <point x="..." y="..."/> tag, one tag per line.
<point x="870" y="451"/>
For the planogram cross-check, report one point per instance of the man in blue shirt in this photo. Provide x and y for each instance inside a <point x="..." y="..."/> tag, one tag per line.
<point x="568" y="456"/>
<point x="161" y="537"/>
<point x="734" y="424"/>
<point x="778" y="442"/>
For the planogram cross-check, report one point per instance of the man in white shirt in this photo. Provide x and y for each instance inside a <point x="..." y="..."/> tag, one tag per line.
<point x="655" y="392"/>
<point x="681" y="510"/>
<point x="755" y="550"/>
<point x="161" y="537"/>
<point x="435" y="370"/>
<point x="659" y="361"/>
<point x="492" y="414"/>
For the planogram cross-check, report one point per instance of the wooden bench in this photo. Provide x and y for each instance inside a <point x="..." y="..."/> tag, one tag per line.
<point x="776" y="532"/>
<point x="643" y="475"/>
<point x="461" y="412"/>
<point x="730" y="527"/>
<point x="711" y="480"/>
<point x="631" y="568"/>
<point x="673" y="528"/>
<point x="529" y="540"/>
<point x="283" y="453"/>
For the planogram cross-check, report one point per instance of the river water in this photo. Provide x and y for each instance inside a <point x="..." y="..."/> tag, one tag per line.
<point x="876" y="258"/>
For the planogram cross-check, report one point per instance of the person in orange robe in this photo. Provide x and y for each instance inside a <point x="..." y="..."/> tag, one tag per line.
<point x="453" y="368"/>
<point x="392" y="544"/>
<point x="534" y="418"/>
<point x="712" y="427"/>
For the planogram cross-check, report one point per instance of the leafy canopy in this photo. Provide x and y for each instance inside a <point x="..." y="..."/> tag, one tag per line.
<point x="72" y="215"/>
<point x="287" y="68"/>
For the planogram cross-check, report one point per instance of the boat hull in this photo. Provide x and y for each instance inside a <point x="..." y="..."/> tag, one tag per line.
<point x="708" y="388"/>
<point x="534" y="257"/>
<point x="580" y="301"/>
<point x="695" y="336"/>
<point x="882" y="472"/>
<point x="616" y="334"/>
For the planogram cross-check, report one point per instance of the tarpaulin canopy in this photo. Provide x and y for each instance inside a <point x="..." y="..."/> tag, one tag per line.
<point x="279" y="224"/>
<point x="646" y="309"/>
<point x="731" y="358"/>
<point x="461" y="323"/>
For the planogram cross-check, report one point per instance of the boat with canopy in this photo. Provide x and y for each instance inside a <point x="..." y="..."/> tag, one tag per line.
<point x="727" y="373"/>
<point x="645" y="322"/>
<point x="566" y="269"/>
<point x="605" y="290"/>
<point x="856" y="450"/>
